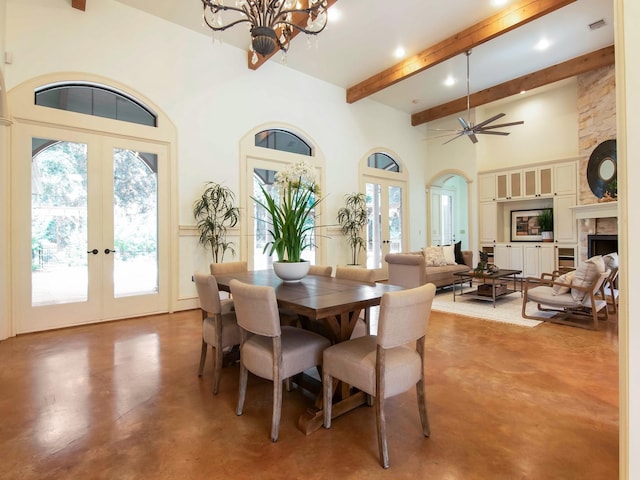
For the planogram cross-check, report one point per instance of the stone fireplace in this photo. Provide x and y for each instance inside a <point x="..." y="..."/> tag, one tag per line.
<point x="597" y="123"/>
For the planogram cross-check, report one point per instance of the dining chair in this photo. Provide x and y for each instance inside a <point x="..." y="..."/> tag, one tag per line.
<point x="219" y="326"/>
<point x="361" y="275"/>
<point x="385" y="365"/>
<point x="322" y="270"/>
<point x="267" y="349"/>
<point x="228" y="267"/>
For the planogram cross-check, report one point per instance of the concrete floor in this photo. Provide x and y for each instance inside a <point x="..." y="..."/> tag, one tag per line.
<point x="122" y="400"/>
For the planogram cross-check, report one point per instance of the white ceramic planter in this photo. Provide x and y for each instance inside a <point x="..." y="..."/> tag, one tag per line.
<point x="291" y="271"/>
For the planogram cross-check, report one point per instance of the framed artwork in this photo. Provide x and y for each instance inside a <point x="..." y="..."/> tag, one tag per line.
<point x="524" y="226"/>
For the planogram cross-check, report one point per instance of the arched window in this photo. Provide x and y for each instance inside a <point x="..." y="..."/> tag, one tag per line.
<point x="96" y="100"/>
<point x="382" y="161"/>
<point x="282" y="140"/>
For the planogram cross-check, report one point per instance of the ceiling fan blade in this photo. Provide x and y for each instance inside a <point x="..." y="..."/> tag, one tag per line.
<point x="473" y="138"/>
<point x="440" y="136"/>
<point x="510" y="124"/>
<point x="490" y="132"/>
<point x="452" y="139"/>
<point x="464" y="123"/>
<point x="489" y="120"/>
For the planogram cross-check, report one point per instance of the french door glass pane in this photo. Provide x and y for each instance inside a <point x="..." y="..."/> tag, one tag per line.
<point x="395" y="219"/>
<point x="374" y="228"/>
<point x="135" y="222"/>
<point x="58" y="222"/>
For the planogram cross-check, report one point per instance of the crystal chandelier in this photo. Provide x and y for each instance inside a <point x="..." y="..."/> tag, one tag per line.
<point x="272" y="21"/>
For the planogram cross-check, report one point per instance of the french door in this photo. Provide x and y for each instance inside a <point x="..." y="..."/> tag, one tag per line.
<point x="90" y="228"/>
<point x="385" y="200"/>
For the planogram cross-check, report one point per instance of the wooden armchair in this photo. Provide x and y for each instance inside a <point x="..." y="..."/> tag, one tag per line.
<point x="574" y="303"/>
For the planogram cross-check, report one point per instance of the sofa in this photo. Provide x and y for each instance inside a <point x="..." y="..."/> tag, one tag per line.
<point x="411" y="270"/>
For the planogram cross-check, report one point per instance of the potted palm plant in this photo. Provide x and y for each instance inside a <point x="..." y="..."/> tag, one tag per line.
<point x="291" y="217"/>
<point x="215" y="212"/>
<point x="353" y="218"/>
<point x="545" y="222"/>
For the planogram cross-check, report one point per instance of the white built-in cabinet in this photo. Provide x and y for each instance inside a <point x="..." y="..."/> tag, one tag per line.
<point x="549" y="185"/>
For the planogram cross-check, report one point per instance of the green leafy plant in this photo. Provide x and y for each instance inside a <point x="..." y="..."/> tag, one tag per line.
<point x="353" y="218"/>
<point x="291" y="212"/>
<point x="545" y="220"/>
<point x="215" y="213"/>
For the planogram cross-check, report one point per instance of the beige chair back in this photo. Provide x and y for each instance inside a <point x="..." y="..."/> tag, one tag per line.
<point x="256" y="308"/>
<point x="355" y="273"/>
<point x="208" y="293"/>
<point x="229" y="267"/>
<point x="404" y="315"/>
<point x="322" y="270"/>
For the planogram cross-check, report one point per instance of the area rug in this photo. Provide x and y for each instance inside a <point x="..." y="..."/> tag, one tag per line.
<point x="508" y="308"/>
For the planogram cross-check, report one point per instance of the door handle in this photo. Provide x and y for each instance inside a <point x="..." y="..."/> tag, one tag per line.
<point x="107" y="251"/>
<point x="94" y="251"/>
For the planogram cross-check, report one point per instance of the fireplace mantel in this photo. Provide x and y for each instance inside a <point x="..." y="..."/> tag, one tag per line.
<point x="596" y="210"/>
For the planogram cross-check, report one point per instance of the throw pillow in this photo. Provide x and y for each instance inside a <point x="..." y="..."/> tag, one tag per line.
<point x="433" y="257"/>
<point x="457" y="251"/>
<point x="585" y="275"/>
<point x="566" y="278"/>
<point x="611" y="260"/>
<point x="449" y="254"/>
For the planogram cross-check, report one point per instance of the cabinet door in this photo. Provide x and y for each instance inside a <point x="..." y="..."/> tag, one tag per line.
<point x="538" y="259"/>
<point x="565" y="229"/>
<point x="487" y="187"/>
<point x="537" y="182"/>
<point x="547" y="259"/>
<point x="515" y="184"/>
<point x="501" y="255"/>
<point x="502" y="186"/>
<point x="564" y="178"/>
<point x="516" y="259"/>
<point x="488" y="222"/>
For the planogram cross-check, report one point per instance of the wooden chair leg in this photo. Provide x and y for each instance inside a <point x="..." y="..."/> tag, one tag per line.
<point x="422" y="408"/>
<point x="277" y="408"/>
<point x="203" y="357"/>
<point x="327" y="401"/>
<point x="217" y="369"/>
<point x="382" y="432"/>
<point x="244" y="374"/>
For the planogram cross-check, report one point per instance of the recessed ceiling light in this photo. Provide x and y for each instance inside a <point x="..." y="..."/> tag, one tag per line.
<point x="499" y="3"/>
<point x="449" y="81"/>
<point x="543" y="44"/>
<point x="399" y="52"/>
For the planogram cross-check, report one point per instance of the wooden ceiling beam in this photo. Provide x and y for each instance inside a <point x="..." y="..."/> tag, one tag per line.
<point x="519" y="14"/>
<point x="298" y="19"/>
<point x="571" y="68"/>
<point x="79" y="4"/>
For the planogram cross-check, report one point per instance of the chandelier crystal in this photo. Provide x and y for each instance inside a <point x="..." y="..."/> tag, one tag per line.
<point x="272" y="22"/>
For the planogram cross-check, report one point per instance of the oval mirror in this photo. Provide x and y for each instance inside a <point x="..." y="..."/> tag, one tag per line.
<point x="607" y="169"/>
<point x="602" y="168"/>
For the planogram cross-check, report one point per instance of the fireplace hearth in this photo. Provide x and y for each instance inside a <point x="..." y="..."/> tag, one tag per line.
<point x="601" y="244"/>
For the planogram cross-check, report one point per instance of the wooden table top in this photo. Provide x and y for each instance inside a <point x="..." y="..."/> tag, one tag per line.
<point x="315" y="296"/>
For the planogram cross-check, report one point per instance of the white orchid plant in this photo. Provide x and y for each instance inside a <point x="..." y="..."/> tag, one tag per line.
<point x="292" y="211"/>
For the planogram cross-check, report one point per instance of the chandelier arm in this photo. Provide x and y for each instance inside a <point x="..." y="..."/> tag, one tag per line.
<point x="302" y="29"/>
<point x="214" y="8"/>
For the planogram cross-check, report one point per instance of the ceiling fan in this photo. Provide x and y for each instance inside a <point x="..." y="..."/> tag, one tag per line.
<point x="483" y="128"/>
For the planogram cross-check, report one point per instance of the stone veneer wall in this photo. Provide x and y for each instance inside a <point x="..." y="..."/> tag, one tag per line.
<point x="596" y="123"/>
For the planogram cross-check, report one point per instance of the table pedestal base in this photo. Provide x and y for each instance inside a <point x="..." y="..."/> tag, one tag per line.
<point x="311" y="420"/>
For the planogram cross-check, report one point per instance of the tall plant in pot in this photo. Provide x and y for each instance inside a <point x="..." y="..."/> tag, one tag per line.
<point x="353" y="218"/>
<point x="291" y="212"/>
<point x="215" y="213"/>
<point x="545" y="222"/>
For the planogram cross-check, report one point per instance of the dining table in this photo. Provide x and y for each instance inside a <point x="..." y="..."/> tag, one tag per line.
<point x="335" y="302"/>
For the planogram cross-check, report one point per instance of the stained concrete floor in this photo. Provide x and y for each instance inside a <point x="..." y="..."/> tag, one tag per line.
<point x="122" y="400"/>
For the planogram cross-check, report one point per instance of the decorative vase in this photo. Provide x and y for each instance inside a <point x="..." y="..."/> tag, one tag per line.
<point x="291" y="271"/>
<point x="547" y="236"/>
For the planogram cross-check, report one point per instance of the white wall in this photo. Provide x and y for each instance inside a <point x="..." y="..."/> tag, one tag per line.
<point x="213" y="99"/>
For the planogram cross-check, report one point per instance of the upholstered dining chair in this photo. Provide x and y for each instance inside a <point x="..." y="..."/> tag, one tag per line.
<point x="385" y="365"/>
<point x="361" y="275"/>
<point x="228" y="267"/>
<point x="267" y="349"/>
<point x="219" y="326"/>
<point x="322" y="270"/>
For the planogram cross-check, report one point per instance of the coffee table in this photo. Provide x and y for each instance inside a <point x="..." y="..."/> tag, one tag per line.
<point x="490" y="285"/>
